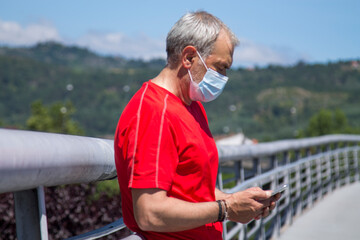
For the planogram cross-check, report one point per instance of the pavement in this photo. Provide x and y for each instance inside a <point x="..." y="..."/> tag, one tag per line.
<point x="335" y="217"/>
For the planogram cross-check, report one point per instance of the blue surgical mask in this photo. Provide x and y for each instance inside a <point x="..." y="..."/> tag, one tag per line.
<point x="210" y="87"/>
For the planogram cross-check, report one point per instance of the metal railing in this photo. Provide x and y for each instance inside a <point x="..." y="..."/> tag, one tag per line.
<point x="311" y="167"/>
<point x="30" y="161"/>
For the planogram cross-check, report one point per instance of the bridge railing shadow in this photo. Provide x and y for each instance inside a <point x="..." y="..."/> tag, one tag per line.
<point x="312" y="167"/>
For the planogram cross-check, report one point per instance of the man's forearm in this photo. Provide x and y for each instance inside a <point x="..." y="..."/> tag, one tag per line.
<point x="154" y="211"/>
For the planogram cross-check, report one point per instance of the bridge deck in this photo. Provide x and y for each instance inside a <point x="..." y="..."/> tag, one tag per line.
<point x="334" y="217"/>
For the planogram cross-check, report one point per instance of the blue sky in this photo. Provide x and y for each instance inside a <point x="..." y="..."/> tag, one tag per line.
<point x="270" y="31"/>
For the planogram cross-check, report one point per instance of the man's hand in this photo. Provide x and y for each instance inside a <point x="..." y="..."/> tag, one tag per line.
<point x="253" y="203"/>
<point x="272" y="203"/>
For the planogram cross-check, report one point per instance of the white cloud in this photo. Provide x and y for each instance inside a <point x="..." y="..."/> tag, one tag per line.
<point x="139" y="46"/>
<point x="12" y="33"/>
<point x="250" y="53"/>
<point x="142" y="46"/>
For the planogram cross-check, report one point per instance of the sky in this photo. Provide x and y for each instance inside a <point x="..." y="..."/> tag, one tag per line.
<point x="278" y="32"/>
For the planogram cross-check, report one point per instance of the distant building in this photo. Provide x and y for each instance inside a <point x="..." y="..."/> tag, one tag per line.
<point x="355" y="64"/>
<point x="237" y="139"/>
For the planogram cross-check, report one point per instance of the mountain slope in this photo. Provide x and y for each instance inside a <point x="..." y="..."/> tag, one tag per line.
<point x="265" y="103"/>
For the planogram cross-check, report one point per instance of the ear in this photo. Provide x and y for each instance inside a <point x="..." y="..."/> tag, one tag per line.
<point x="187" y="56"/>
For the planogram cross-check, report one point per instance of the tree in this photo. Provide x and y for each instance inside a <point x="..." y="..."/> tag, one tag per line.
<point x="54" y="118"/>
<point x="320" y="124"/>
<point x="328" y="122"/>
<point x="340" y="121"/>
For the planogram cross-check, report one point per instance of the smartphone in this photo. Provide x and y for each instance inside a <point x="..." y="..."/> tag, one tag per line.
<point x="279" y="189"/>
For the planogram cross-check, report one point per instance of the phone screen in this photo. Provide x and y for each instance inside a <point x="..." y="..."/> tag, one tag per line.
<point x="279" y="189"/>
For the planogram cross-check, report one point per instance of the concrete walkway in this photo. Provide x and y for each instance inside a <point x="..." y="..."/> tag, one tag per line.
<point x="335" y="217"/>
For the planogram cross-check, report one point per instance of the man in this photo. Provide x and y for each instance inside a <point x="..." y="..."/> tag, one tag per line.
<point x="166" y="157"/>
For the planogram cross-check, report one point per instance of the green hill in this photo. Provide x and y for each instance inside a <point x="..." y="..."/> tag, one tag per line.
<point x="274" y="102"/>
<point x="265" y="103"/>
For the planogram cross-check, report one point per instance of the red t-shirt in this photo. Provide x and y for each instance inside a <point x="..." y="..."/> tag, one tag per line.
<point x="160" y="142"/>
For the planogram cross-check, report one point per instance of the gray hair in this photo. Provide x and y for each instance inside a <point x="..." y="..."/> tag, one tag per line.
<point x="199" y="29"/>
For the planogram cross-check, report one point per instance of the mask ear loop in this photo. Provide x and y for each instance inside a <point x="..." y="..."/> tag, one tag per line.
<point x="190" y="76"/>
<point x="202" y="60"/>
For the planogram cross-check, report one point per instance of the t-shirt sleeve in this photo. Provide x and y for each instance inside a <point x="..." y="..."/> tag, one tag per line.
<point x="152" y="151"/>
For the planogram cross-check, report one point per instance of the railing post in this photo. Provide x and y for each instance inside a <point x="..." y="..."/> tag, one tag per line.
<point x="220" y="180"/>
<point x="328" y="168"/>
<point x="262" y="230"/>
<point x="30" y="214"/>
<point x="274" y="162"/>
<point x="342" y="168"/>
<point x="242" y="172"/>
<point x="277" y="228"/>
<point x="347" y="163"/>
<point x="318" y="173"/>
<point x="288" y="200"/>
<point x="257" y="166"/>
<point x="337" y="166"/>
<point x="286" y="157"/>
<point x="308" y="174"/>
<point x="298" y="183"/>
<point x="238" y="177"/>
<point x="356" y="161"/>
<point x="297" y="154"/>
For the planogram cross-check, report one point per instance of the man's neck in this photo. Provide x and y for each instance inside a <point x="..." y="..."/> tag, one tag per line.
<point x="174" y="81"/>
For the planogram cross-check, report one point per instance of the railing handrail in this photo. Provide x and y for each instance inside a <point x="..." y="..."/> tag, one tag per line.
<point x="49" y="159"/>
<point x="68" y="159"/>
<point x="234" y="153"/>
